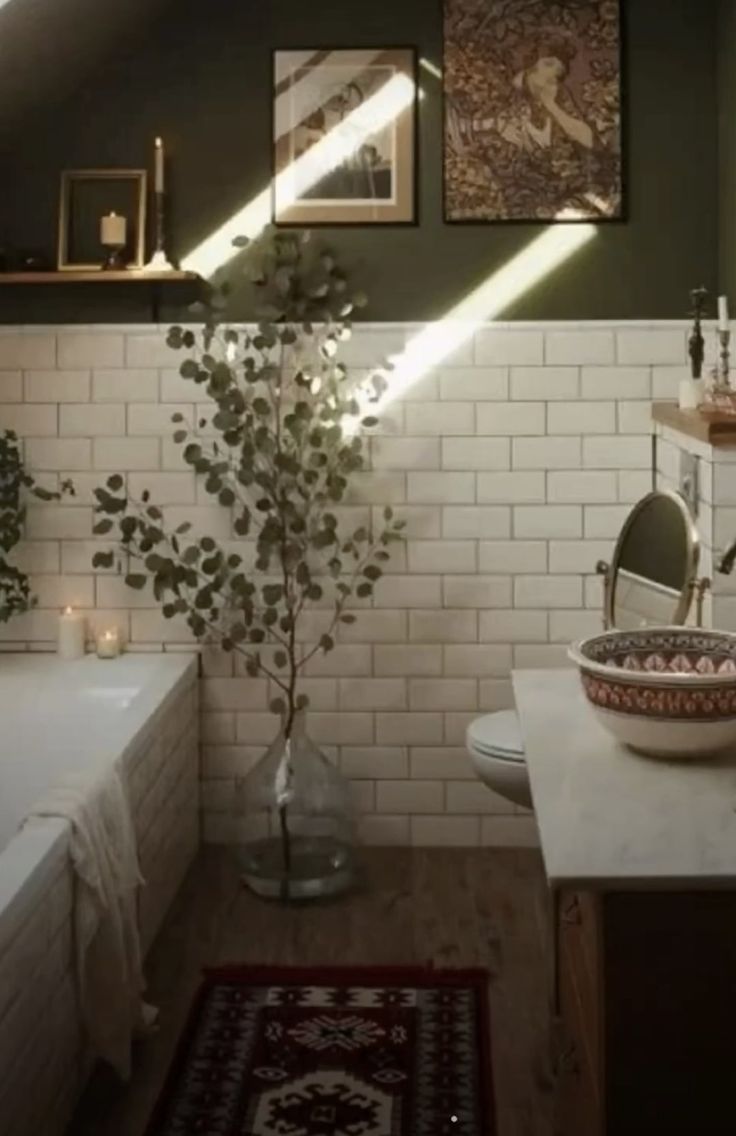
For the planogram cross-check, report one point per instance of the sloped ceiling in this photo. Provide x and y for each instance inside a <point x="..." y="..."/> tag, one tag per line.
<point x="49" y="47"/>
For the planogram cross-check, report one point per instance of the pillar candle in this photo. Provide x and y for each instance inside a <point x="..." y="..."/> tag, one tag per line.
<point x="723" y="313"/>
<point x="691" y="394"/>
<point x="71" y="634"/>
<point x="113" y="230"/>
<point x="159" y="182"/>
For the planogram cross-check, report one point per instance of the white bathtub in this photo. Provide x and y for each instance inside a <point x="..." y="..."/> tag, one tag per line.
<point x="57" y="717"/>
<point x="139" y="714"/>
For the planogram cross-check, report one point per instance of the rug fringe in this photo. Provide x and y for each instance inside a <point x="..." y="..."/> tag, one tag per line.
<point x="419" y="974"/>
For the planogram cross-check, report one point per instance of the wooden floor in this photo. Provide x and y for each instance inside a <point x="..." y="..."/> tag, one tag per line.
<point x="457" y="908"/>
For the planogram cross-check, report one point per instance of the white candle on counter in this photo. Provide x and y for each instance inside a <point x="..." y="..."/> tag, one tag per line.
<point x="71" y="634"/>
<point x="691" y="394"/>
<point x="723" y="324"/>
<point x="113" y="230"/>
<point x="108" y="644"/>
<point x="159" y="172"/>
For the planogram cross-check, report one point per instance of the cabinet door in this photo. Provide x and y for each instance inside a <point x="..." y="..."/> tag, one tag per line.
<point x="579" y="1059"/>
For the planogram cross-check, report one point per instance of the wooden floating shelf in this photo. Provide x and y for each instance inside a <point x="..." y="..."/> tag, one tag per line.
<point x="98" y="276"/>
<point x="715" y="429"/>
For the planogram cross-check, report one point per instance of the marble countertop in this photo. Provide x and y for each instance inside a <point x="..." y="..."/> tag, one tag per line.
<point x="610" y="819"/>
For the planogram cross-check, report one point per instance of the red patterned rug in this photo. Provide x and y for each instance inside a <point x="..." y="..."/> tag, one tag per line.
<point x="272" y="1051"/>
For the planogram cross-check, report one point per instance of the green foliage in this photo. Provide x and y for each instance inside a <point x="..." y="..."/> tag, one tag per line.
<point x="15" y="589"/>
<point x="288" y="441"/>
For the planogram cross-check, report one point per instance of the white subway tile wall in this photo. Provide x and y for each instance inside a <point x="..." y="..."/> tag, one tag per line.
<point x="716" y="519"/>
<point x="513" y="461"/>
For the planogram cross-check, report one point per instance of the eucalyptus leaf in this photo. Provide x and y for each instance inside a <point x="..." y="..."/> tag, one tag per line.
<point x="103" y="560"/>
<point x="136" y="580"/>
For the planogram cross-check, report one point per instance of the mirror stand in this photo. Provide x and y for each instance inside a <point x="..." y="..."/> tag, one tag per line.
<point x="697" y="589"/>
<point x="603" y="568"/>
<point x="700" y="588"/>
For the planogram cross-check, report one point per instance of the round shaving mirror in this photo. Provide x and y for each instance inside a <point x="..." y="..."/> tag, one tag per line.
<point x="652" y="578"/>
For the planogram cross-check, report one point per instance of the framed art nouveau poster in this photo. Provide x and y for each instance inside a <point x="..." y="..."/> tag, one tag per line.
<point x="344" y="137"/>
<point x="532" y="110"/>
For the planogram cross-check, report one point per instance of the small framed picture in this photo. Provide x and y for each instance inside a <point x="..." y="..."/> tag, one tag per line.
<point x="344" y="135"/>
<point x="88" y="196"/>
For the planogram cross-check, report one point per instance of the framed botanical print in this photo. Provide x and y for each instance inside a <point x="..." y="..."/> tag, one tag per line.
<point x="344" y="136"/>
<point x="533" y="126"/>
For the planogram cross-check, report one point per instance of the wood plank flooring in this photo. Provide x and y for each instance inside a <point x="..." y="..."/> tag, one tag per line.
<point x="454" y="907"/>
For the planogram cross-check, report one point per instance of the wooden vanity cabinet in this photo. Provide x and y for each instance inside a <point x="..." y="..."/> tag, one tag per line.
<point x="645" y="1039"/>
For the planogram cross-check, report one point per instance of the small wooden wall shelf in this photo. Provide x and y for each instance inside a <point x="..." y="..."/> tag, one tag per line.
<point x="713" y="429"/>
<point x="97" y="276"/>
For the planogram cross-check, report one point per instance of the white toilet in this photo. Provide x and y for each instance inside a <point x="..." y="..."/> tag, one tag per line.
<point x="495" y="746"/>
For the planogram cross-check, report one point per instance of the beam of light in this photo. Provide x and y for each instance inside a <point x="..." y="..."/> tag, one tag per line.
<point x="338" y="144"/>
<point x="430" y="67"/>
<point x="440" y="338"/>
<point x="302" y="97"/>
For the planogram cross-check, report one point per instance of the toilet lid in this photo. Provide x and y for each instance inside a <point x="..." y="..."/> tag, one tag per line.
<point x="497" y="735"/>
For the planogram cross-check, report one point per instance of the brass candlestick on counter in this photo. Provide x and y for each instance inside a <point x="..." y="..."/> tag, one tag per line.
<point x="724" y="377"/>
<point x="696" y="343"/>
<point x="721" y="396"/>
<point x="691" y="390"/>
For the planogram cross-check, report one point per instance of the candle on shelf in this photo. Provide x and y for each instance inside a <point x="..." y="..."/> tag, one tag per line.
<point x="113" y="230"/>
<point x="71" y="634"/>
<point x="159" y="172"/>
<point x="691" y="394"/>
<point x="723" y="324"/>
<point x="108" y="644"/>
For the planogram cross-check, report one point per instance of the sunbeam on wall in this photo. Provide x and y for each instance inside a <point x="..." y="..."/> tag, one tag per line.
<point x="342" y="141"/>
<point x="437" y="341"/>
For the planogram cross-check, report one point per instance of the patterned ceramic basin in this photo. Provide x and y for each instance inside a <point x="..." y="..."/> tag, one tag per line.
<point x="664" y="691"/>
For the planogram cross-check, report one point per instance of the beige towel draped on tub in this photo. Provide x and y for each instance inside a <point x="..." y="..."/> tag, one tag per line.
<point x="108" y="958"/>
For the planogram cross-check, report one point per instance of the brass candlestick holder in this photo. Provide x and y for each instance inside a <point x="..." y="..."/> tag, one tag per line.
<point x="721" y="397"/>
<point x="724" y="377"/>
<point x="160" y="262"/>
<point x="696" y="343"/>
<point x="113" y="260"/>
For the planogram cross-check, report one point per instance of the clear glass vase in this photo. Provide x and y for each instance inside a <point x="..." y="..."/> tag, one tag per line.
<point x="294" y="821"/>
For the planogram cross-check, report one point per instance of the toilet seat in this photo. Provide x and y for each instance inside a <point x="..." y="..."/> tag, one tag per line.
<point x="498" y="736"/>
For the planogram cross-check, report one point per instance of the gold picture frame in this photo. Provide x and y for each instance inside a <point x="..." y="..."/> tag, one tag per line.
<point x="86" y="196"/>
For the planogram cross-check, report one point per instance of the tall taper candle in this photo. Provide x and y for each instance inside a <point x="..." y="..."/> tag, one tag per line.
<point x="159" y="184"/>
<point x="723" y="324"/>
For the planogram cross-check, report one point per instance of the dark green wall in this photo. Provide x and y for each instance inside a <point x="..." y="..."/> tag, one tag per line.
<point x="201" y="78"/>
<point x="727" y="147"/>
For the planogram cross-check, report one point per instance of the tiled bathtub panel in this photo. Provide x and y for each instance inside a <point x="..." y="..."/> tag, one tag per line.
<point x="42" y="1052"/>
<point x="152" y="801"/>
<point x="169" y="849"/>
<point x="48" y="1075"/>
<point x="167" y="872"/>
<point x="166" y="809"/>
<point x="40" y="1039"/>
